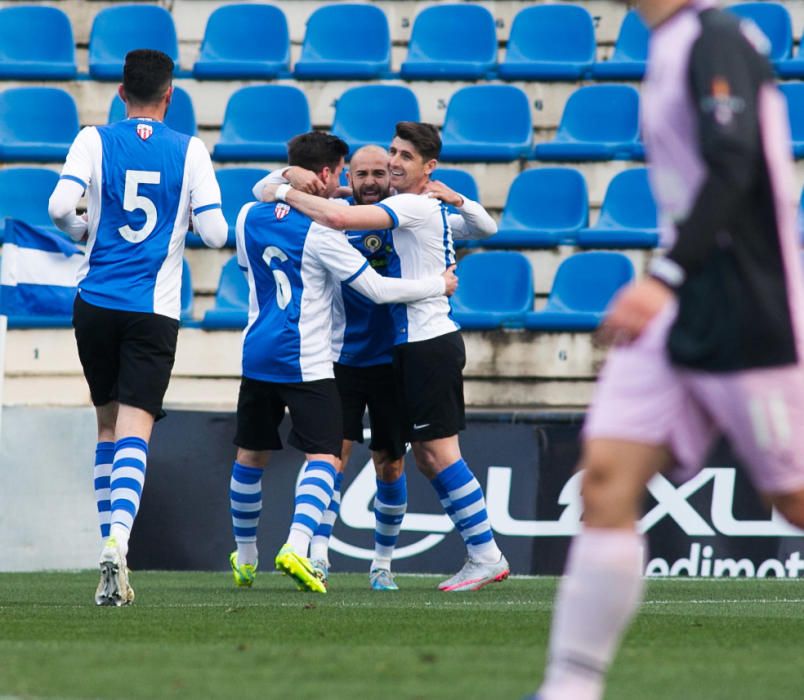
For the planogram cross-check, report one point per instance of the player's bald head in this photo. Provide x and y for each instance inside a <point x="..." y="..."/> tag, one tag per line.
<point x="373" y="153"/>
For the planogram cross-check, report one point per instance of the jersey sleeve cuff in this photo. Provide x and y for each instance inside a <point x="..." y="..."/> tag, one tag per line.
<point x="206" y="207"/>
<point x="74" y="179"/>
<point x="390" y="213"/>
<point x="356" y="274"/>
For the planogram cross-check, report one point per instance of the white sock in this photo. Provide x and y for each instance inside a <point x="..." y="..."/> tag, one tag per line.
<point x="299" y="540"/>
<point x="597" y="598"/>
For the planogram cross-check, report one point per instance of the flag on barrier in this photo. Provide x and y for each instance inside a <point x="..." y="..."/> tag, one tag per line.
<point x="38" y="276"/>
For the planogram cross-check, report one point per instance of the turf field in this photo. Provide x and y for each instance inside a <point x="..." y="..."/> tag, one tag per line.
<point x="192" y="635"/>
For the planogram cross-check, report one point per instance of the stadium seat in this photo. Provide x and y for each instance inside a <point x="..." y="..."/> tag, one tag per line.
<point x="180" y="116"/>
<point x="231" y="300"/>
<point x="549" y="42"/>
<point x="509" y="275"/>
<point x="368" y="114"/>
<point x="236" y="184"/>
<point x="28" y="131"/>
<point x="794" y="94"/>
<point x="24" y="193"/>
<point x="244" y="42"/>
<point x="774" y="21"/>
<point x="36" y="43"/>
<point x="546" y="207"/>
<point x="630" y="52"/>
<point x="259" y="121"/>
<point x="487" y="123"/>
<point x="186" y="293"/>
<point x="451" y="42"/>
<point x="628" y="217"/>
<point x="345" y="42"/>
<point x="123" y="28"/>
<point x="582" y="289"/>
<point x="459" y="180"/>
<point x="600" y="122"/>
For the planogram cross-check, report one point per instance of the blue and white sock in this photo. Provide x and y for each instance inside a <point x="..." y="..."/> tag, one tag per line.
<point x="245" y="505"/>
<point x="390" y="505"/>
<point x="313" y="495"/>
<point x="319" y="546"/>
<point x="127" y="480"/>
<point x="104" y="458"/>
<point x="469" y="511"/>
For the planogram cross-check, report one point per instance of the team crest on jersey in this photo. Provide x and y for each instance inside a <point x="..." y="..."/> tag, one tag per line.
<point x="144" y="131"/>
<point x="372" y="242"/>
<point x="281" y="210"/>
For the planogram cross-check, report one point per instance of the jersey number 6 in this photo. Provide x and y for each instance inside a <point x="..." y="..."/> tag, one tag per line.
<point x="283" y="289"/>
<point x="132" y="201"/>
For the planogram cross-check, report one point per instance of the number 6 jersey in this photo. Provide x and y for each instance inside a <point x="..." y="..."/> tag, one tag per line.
<point x="142" y="180"/>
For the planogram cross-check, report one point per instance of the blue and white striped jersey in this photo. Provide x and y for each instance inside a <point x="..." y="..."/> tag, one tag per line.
<point x="142" y="180"/>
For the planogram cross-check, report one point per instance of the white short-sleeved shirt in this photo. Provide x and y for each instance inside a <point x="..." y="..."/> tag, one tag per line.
<point x="142" y="179"/>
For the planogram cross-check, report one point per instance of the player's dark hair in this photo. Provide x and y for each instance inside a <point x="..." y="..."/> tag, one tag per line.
<point x="316" y="150"/>
<point x="423" y="136"/>
<point x="146" y="75"/>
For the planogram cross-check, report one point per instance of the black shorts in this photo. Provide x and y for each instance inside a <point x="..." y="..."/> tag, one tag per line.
<point x="315" y="413"/>
<point x="127" y="356"/>
<point x="374" y="388"/>
<point x="430" y="377"/>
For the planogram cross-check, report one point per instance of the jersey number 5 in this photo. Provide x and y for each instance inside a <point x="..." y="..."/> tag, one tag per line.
<point x="132" y="201"/>
<point x="284" y="291"/>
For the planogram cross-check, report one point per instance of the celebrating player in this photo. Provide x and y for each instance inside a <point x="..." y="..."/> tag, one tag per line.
<point x="294" y="267"/>
<point x="711" y="343"/>
<point x="429" y="354"/>
<point x="142" y="180"/>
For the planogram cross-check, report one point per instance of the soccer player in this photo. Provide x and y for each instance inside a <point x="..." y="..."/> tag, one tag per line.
<point x="363" y="340"/>
<point x="294" y="268"/>
<point x="143" y="180"/>
<point x="711" y="343"/>
<point x="429" y="353"/>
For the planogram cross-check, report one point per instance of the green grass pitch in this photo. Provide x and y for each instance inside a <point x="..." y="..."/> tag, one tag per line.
<point x="192" y="635"/>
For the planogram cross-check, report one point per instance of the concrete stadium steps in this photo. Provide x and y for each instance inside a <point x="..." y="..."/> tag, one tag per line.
<point x="504" y="368"/>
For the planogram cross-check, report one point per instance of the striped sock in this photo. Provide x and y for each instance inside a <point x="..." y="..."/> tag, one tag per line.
<point x="127" y="480"/>
<point x="245" y="505"/>
<point x="446" y="504"/>
<point x="313" y="495"/>
<point x="319" y="546"/>
<point x="104" y="457"/>
<point x="390" y="505"/>
<point x="470" y="517"/>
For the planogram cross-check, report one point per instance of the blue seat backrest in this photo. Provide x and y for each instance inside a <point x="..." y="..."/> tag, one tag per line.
<point x="24" y="193"/>
<point x="629" y="201"/>
<point x="26" y="114"/>
<point x="266" y="113"/>
<point x="552" y="32"/>
<point x="246" y="32"/>
<point x="459" y="180"/>
<point x="489" y="113"/>
<point x="453" y="32"/>
<point x="494" y="281"/>
<point x="33" y="34"/>
<point x="794" y="94"/>
<point x="370" y="112"/>
<point x="180" y="115"/>
<point x="602" y="113"/>
<point x="774" y="21"/>
<point x="588" y="281"/>
<point x="233" y="288"/>
<point x="632" y="40"/>
<point x="347" y="32"/>
<point x="547" y="198"/>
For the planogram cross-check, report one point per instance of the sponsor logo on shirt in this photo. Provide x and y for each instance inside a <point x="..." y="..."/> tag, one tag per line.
<point x="145" y="131"/>
<point x="721" y="104"/>
<point x="281" y="210"/>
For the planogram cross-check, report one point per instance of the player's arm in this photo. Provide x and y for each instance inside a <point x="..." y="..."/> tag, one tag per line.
<point x="329" y="213"/>
<point x="472" y="221"/>
<point x="73" y="182"/>
<point x="205" y="196"/>
<point x="299" y="178"/>
<point x="240" y="236"/>
<point x="725" y="82"/>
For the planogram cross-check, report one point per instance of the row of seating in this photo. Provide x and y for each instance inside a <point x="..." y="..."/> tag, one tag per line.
<point x="546" y="207"/>
<point x="582" y="289"/>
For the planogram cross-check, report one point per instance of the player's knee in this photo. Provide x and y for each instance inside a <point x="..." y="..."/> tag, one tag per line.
<point x="610" y="494"/>
<point x="791" y="506"/>
<point x="387" y="468"/>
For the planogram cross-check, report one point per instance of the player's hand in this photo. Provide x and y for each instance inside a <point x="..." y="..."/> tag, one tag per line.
<point x="451" y="280"/>
<point x="342" y="192"/>
<point x="632" y="310"/>
<point x="439" y="190"/>
<point x="304" y="180"/>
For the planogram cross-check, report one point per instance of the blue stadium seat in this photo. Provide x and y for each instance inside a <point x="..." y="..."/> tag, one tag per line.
<point x="345" y="42"/>
<point x="259" y="121"/>
<point x="123" y="28"/>
<point x="231" y="300"/>
<point x="628" y="217"/>
<point x="630" y="52"/>
<point x="36" y="43"/>
<point x="510" y="277"/>
<point x="582" y="289"/>
<point x="451" y="42"/>
<point x="459" y="180"/>
<point x="368" y="114"/>
<point x="28" y="131"/>
<point x="794" y="93"/>
<point x="180" y="116"/>
<point x="24" y="193"/>
<point x="546" y="207"/>
<point x="244" y="42"/>
<point x="186" y="313"/>
<point x="487" y="123"/>
<point x="600" y="122"/>
<point x="774" y="21"/>
<point x="549" y="42"/>
<point x="236" y="185"/>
